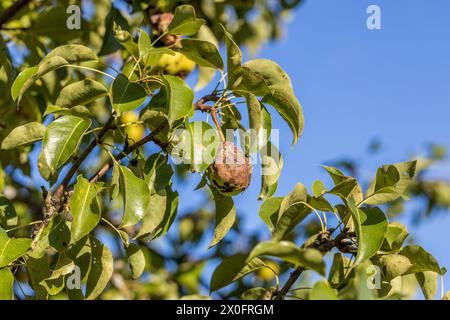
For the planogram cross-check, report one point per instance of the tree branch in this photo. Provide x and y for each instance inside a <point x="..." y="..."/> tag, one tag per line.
<point x="76" y="165"/>
<point x="150" y="137"/>
<point x="10" y="12"/>
<point x="323" y="243"/>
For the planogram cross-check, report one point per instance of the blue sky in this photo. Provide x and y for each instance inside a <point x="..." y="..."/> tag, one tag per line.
<point x="357" y="84"/>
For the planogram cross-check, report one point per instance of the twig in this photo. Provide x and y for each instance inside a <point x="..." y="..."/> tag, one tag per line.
<point x="150" y="137"/>
<point x="108" y="125"/>
<point x="200" y="105"/>
<point x="323" y="243"/>
<point x="11" y="11"/>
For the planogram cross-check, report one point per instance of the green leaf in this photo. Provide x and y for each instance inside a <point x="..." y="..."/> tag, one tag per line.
<point x="340" y="271"/>
<point x="58" y="57"/>
<point x="185" y="22"/>
<point x="85" y="217"/>
<point x="127" y="95"/>
<point x="109" y="43"/>
<point x="396" y="235"/>
<point x="135" y="195"/>
<point x="202" y="52"/>
<point x="289" y="109"/>
<point x="260" y="123"/>
<point x="394" y="265"/>
<point x="258" y="294"/>
<point x="179" y="98"/>
<point x="271" y="166"/>
<point x="154" y="117"/>
<point x="322" y="291"/>
<point x="232" y="269"/>
<point x="8" y="214"/>
<point x="272" y="74"/>
<point x="268" y="211"/>
<point x="265" y="78"/>
<point x="6" y="284"/>
<point x="371" y="226"/>
<point x="289" y="252"/>
<point x="100" y="271"/>
<point x="61" y="140"/>
<point x="169" y="214"/>
<point x="318" y="188"/>
<point x="205" y="74"/>
<point x="136" y="259"/>
<point x="52" y="23"/>
<point x="157" y="172"/>
<point x="80" y="93"/>
<point x="19" y="82"/>
<point x="234" y="60"/>
<point x="225" y="217"/>
<point x="12" y="249"/>
<point x="126" y="40"/>
<point x="80" y="111"/>
<point x="391" y="182"/>
<point x="144" y="43"/>
<point x="55" y="234"/>
<point x="428" y="282"/>
<point x="160" y="214"/>
<point x="54" y="283"/>
<point x="292" y="211"/>
<point x="420" y="259"/>
<point x="38" y="270"/>
<point x="343" y="185"/>
<point x="72" y="53"/>
<point x="204" y="142"/>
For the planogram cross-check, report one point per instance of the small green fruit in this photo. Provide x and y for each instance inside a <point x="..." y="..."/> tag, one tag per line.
<point x="177" y="64"/>
<point x="231" y="171"/>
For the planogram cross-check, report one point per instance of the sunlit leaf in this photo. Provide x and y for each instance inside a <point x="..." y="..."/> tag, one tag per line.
<point x="12" y="248"/>
<point x="202" y="52"/>
<point x="85" y="217"/>
<point x="100" y="271"/>
<point x="271" y="166"/>
<point x="225" y="217"/>
<point x="135" y="195"/>
<point x="232" y="269"/>
<point x="293" y="210"/>
<point x="289" y="252"/>
<point x="179" y="97"/>
<point x="61" y="140"/>
<point x="127" y="95"/>
<point x="234" y="60"/>
<point x="136" y="259"/>
<point x="371" y="226"/>
<point x="185" y="22"/>
<point x="6" y="284"/>
<point x="322" y="291"/>
<point x="80" y="93"/>
<point x="268" y="211"/>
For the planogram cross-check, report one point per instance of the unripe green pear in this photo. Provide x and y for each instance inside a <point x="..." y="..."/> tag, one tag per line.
<point x="177" y="64"/>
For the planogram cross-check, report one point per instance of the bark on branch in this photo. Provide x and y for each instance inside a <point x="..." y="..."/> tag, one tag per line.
<point x="11" y="11"/>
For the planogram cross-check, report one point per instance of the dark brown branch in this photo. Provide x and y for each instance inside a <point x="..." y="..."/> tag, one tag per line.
<point x="76" y="165"/>
<point x="150" y="137"/>
<point x="10" y="12"/>
<point x="323" y="243"/>
<point x="200" y="104"/>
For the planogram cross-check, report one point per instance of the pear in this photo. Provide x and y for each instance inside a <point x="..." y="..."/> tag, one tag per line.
<point x="231" y="171"/>
<point x="177" y="64"/>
